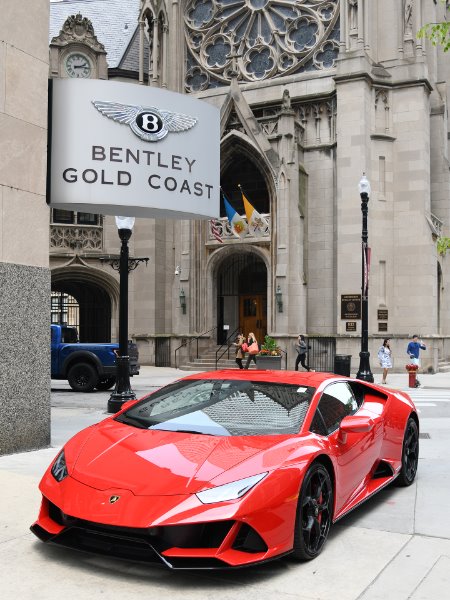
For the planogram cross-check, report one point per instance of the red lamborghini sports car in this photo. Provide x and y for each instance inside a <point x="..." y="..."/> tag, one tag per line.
<point x="228" y="469"/>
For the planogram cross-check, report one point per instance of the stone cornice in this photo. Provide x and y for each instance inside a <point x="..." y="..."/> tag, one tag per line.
<point x="364" y="76"/>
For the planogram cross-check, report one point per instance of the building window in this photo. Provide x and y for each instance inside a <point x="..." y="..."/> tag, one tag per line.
<point x="63" y="216"/>
<point x="69" y="217"/>
<point x="87" y="219"/>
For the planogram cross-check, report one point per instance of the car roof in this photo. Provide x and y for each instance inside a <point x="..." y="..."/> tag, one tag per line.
<point x="311" y="378"/>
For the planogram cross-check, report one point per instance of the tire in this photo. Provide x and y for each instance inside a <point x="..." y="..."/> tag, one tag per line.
<point x="410" y="454"/>
<point x="314" y="513"/>
<point x="106" y="384"/>
<point x="82" y="377"/>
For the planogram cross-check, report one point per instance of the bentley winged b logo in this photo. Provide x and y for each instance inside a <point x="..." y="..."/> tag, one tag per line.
<point x="149" y="123"/>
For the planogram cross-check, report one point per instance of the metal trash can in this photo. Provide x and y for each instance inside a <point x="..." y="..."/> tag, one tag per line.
<point x="342" y="364"/>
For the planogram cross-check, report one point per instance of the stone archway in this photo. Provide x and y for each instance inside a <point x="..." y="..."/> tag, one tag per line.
<point x="97" y="297"/>
<point x="240" y="294"/>
<point x="242" y="163"/>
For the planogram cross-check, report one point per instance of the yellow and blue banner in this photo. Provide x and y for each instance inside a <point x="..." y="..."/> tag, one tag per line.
<point x="257" y="224"/>
<point x="237" y="223"/>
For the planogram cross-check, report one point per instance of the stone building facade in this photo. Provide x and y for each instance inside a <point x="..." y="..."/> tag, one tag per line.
<point x="312" y="94"/>
<point x="24" y="261"/>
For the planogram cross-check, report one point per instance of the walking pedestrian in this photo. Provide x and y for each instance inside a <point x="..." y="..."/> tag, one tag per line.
<point x="253" y="349"/>
<point x="240" y="339"/>
<point x="302" y="349"/>
<point x="385" y="358"/>
<point x="413" y="351"/>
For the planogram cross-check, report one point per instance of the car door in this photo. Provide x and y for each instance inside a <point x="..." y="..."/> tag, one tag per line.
<point x="54" y="350"/>
<point x="352" y="452"/>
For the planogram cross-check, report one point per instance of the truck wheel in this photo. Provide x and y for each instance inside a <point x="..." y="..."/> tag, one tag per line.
<point x="106" y="384"/>
<point x="82" y="377"/>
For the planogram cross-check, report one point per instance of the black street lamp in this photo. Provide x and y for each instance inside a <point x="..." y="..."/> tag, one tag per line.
<point x="124" y="264"/>
<point x="364" y="371"/>
<point x="122" y="391"/>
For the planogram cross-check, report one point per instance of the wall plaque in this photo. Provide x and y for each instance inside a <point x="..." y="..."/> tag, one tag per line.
<point x="382" y="326"/>
<point x="350" y="306"/>
<point x="383" y="314"/>
<point x="350" y="326"/>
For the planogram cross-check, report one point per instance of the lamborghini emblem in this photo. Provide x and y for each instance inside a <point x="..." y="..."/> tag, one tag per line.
<point x="113" y="499"/>
<point x="150" y="124"/>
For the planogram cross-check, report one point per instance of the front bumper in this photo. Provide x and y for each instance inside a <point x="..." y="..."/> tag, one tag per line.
<point x="174" y="531"/>
<point x="111" y="371"/>
<point x="216" y="545"/>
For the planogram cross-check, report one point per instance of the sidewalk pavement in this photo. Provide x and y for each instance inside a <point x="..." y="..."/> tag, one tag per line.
<point x="396" y="546"/>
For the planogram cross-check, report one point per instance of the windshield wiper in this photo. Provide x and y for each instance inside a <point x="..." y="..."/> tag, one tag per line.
<point x="187" y="431"/>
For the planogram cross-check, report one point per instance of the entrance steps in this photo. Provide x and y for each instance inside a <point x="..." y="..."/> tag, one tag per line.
<point x="443" y="366"/>
<point x="207" y="361"/>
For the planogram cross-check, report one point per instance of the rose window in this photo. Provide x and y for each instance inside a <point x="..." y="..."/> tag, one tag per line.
<point x="258" y="39"/>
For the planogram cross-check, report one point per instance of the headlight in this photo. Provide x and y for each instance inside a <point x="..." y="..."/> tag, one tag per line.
<point x="230" y="491"/>
<point x="59" y="469"/>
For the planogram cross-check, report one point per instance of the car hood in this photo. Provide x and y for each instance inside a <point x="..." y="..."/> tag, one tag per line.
<point x="156" y="462"/>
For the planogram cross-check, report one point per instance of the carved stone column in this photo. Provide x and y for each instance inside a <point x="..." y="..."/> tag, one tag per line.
<point x="141" y="51"/>
<point x="408" y="22"/>
<point x="164" y="55"/>
<point x="353" y="19"/>
<point x="155" y="53"/>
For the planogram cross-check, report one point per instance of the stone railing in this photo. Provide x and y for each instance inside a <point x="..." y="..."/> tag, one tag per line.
<point x="76" y="237"/>
<point x="225" y="232"/>
<point x="436" y="225"/>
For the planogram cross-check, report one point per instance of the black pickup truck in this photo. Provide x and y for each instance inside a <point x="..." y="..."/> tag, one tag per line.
<point x="86" y="366"/>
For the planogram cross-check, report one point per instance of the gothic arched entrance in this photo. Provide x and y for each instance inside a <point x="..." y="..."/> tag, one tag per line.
<point x="85" y="301"/>
<point x="242" y="295"/>
<point x="242" y="169"/>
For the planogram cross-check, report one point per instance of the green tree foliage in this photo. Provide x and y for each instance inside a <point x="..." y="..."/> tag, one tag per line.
<point x="437" y="33"/>
<point x="443" y="244"/>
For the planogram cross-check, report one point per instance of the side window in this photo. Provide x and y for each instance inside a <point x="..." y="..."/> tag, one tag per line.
<point x="317" y="424"/>
<point x="69" y="335"/>
<point x="336" y="402"/>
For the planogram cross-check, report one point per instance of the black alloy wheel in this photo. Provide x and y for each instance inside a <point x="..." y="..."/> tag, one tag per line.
<point x="106" y="384"/>
<point x="410" y="454"/>
<point x="314" y="513"/>
<point x="82" y="377"/>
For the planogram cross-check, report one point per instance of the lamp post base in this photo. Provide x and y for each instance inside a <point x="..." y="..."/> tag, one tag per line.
<point x="122" y="392"/>
<point x="364" y="373"/>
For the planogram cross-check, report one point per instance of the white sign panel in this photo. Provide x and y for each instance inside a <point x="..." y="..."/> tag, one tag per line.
<point x="121" y="148"/>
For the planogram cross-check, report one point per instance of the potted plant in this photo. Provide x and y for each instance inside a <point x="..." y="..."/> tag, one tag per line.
<point x="269" y="357"/>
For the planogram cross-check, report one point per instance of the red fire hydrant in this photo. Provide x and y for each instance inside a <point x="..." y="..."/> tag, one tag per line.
<point x="412" y="375"/>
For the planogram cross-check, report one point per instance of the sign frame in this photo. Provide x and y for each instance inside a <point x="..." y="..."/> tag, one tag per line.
<point x="350" y="307"/>
<point x="99" y="162"/>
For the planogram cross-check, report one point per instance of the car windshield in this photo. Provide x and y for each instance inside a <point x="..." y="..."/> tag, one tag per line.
<point x="223" y="407"/>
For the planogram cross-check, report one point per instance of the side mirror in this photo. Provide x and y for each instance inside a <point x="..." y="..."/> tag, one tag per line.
<point x="353" y="424"/>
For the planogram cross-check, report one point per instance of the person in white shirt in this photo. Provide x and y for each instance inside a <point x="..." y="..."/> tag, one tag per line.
<point x="385" y="358"/>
